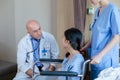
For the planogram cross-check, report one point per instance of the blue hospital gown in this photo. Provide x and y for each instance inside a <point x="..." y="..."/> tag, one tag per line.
<point x="73" y="64"/>
<point x="105" y="26"/>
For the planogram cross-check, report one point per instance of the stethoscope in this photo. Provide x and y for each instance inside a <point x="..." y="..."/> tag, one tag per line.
<point x="27" y="54"/>
<point x="44" y="50"/>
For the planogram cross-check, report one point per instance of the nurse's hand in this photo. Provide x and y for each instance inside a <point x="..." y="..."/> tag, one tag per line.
<point x="96" y="59"/>
<point x="83" y="50"/>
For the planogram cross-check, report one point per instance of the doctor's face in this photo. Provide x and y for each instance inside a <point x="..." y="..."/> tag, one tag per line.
<point x="34" y="29"/>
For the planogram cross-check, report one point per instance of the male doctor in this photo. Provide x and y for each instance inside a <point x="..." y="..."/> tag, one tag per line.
<point x="35" y="45"/>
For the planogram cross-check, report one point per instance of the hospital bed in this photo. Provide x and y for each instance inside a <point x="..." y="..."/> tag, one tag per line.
<point x="109" y="74"/>
<point x="62" y="73"/>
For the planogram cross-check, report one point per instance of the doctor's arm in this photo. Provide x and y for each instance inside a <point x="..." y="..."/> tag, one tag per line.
<point x="29" y="72"/>
<point x="54" y="52"/>
<point x="96" y="59"/>
<point x="23" y="66"/>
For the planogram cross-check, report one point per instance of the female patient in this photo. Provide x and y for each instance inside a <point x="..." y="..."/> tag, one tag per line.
<point x="74" y="60"/>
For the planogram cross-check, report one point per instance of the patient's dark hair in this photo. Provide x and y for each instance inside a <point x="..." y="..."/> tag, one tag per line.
<point x="74" y="36"/>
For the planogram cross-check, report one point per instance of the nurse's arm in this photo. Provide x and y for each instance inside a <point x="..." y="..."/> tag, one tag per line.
<point x="96" y="59"/>
<point x="86" y="46"/>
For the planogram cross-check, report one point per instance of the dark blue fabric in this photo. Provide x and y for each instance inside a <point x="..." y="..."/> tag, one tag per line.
<point x="36" y="49"/>
<point x="94" y="74"/>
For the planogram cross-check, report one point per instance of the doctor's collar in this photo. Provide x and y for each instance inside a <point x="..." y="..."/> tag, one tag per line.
<point x="34" y="38"/>
<point x="43" y="36"/>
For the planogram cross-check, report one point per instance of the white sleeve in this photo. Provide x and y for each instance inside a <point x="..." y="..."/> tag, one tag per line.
<point x="54" y="49"/>
<point x="21" y="57"/>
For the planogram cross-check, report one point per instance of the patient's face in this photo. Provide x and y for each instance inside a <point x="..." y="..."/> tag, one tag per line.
<point x="65" y="42"/>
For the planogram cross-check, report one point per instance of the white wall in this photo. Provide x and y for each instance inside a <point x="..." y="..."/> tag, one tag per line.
<point x="13" y="16"/>
<point x="7" y="30"/>
<point x="117" y="2"/>
<point x="41" y="10"/>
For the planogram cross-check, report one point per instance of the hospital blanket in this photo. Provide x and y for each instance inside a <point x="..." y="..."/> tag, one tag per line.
<point x="109" y="74"/>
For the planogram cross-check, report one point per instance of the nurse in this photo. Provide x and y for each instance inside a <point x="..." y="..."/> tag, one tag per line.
<point x="105" y="37"/>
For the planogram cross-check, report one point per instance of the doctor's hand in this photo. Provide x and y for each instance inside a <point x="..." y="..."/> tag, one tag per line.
<point x="96" y="59"/>
<point x="29" y="72"/>
<point x="52" y="68"/>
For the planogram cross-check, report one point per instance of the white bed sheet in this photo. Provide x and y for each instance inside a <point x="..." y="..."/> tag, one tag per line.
<point x="109" y="74"/>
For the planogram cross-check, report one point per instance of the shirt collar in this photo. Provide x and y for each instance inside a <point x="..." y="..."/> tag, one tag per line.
<point x="42" y="37"/>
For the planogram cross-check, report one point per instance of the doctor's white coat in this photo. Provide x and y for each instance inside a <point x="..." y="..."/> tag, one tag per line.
<point x="25" y="55"/>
